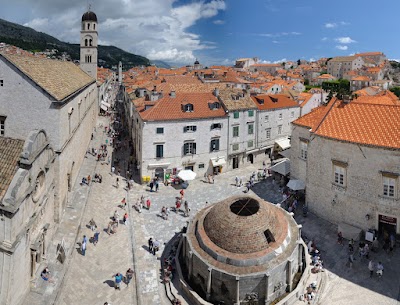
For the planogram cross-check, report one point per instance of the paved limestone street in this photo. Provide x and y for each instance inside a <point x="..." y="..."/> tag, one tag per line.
<point x="88" y="279"/>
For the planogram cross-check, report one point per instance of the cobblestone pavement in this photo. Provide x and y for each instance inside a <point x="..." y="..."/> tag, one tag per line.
<point x="89" y="278"/>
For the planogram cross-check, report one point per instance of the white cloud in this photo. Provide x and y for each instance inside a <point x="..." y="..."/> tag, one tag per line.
<point x="324" y="38"/>
<point x="157" y="29"/>
<point x="275" y="41"/>
<point x="312" y="59"/>
<point x="344" y="40"/>
<point x="280" y="61"/>
<point x="276" y="35"/>
<point x="343" y="48"/>
<point x="219" y="22"/>
<point x="330" y="25"/>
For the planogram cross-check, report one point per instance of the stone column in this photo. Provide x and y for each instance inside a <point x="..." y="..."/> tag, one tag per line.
<point x="267" y="276"/>
<point x="237" y="291"/>
<point x="289" y="278"/>
<point x="33" y="262"/>
<point x="190" y="263"/>
<point x="300" y="255"/>
<point x="299" y="227"/>
<point x="209" y="283"/>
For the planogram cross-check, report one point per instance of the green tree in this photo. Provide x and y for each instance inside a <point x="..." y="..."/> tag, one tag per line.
<point x="396" y="90"/>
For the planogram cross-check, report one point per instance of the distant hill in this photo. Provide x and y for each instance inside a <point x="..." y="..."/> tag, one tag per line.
<point x="160" y="64"/>
<point x="28" y="39"/>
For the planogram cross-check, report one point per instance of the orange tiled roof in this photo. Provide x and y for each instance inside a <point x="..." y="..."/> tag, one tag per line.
<point x="168" y="108"/>
<point x="10" y="150"/>
<point x="369" y="54"/>
<point x="363" y="123"/>
<point x="361" y="78"/>
<point x="276" y="101"/>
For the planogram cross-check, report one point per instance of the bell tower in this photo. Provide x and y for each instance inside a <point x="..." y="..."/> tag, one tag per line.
<point x="89" y="40"/>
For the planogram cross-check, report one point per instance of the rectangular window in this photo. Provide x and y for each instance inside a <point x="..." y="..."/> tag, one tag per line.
<point x="235" y="131"/>
<point x="216" y="126"/>
<point x="339" y="174"/>
<point x="201" y="165"/>
<point x="190" y="128"/>
<point x="235" y="146"/>
<point x="251" y="113"/>
<point x="268" y="133"/>
<point x="2" y="125"/>
<point x="303" y="150"/>
<point x="250" y="143"/>
<point x="159" y="151"/>
<point x="214" y="145"/>
<point x="280" y="129"/>
<point x="160" y="130"/>
<point x="389" y="186"/>
<point x="266" y="118"/>
<point x="189" y="148"/>
<point x="1" y="83"/>
<point x="280" y="116"/>
<point x="250" y="129"/>
<point x="236" y="115"/>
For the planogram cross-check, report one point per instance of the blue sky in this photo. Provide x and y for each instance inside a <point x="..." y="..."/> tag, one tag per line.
<point x="220" y="31"/>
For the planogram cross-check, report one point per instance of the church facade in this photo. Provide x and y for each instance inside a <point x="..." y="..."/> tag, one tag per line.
<point x="48" y="111"/>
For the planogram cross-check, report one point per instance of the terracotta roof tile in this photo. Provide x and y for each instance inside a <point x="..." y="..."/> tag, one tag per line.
<point x="169" y="108"/>
<point x="363" y="123"/>
<point x="236" y="99"/>
<point x="265" y="101"/>
<point x="58" y="78"/>
<point x="10" y="150"/>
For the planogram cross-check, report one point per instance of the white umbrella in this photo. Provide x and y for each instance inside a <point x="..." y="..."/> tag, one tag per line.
<point x="296" y="185"/>
<point x="187" y="174"/>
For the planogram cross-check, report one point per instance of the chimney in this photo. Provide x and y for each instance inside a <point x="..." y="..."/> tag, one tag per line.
<point x="172" y="94"/>
<point x="216" y="92"/>
<point x="346" y="99"/>
<point x="155" y="89"/>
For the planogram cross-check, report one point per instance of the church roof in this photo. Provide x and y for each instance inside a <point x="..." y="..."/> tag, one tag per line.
<point x="58" y="78"/>
<point x="10" y="150"/>
<point x="89" y="16"/>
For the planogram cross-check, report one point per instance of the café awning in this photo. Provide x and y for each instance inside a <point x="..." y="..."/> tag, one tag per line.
<point x="283" y="143"/>
<point x="105" y="104"/>
<point x="218" y="161"/>
<point x="282" y="167"/>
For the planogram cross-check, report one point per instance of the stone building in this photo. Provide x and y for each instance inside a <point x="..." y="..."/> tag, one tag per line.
<point x="88" y="43"/>
<point x="27" y="208"/>
<point x="241" y="131"/>
<point x="347" y="153"/>
<point x="338" y="66"/>
<point x="242" y="250"/>
<point x="177" y="131"/>
<point x="56" y="96"/>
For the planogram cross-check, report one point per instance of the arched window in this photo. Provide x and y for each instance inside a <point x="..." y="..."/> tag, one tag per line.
<point x="94" y="26"/>
<point x="86" y="42"/>
<point x="90" y="42"/>
<point x="88" y="26"/>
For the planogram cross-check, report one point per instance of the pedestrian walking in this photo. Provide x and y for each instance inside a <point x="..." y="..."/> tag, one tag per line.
<point x="125" y="218"/>
<point x="83" y="247"/>
<point x="117" y="182"/>
<point x="150" y="242"/>
<point x="340" y="238"/>
<point x="379" y="269"/>
<point x="123" y="202"/>
<point x="118" y="279"/>
<point x="156" y="246"/>
<point x="116" y="217"/>
<point x="128" y="276"/>
<point x="96" y="237"/>
<point x="236" y="181"/>
<point x="187" y="210"/>
<point x="157" y="185"/>
<point x="151" y="186"/>
<point x="371" y="268"/>
<point x="89" y="179"/>
<point x="182" y="192"/>
<point x="148" y="204"/>
<point x="351" y="260"/>
<point x="92" y="224"/>
<point x="112" y="170"/>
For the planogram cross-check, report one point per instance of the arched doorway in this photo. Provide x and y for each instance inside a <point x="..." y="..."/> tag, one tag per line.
<point x="159" y="173"/>
<point x="250" y="158"/>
